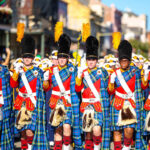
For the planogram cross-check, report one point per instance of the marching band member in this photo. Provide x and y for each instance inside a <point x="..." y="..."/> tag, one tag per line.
<point x="6" y="120"/>
<point x="64" y="102"/>
<point x="126" y="104"/>
<point x="146" y="112"/>
<point x="54" y="60"/>
<point x="94" y="108"/>
<point x="30" y="102"/>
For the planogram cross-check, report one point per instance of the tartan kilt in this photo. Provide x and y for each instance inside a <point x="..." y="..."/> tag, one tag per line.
<point x="50" y="130"/>
<point x="31" y="126"/>
<point x="114" y="114"/>
<point x="68" y="119"/>
<point x="97" y="116"/>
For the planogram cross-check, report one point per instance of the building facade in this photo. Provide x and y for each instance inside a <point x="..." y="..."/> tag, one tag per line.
<point x="134" y="26"/>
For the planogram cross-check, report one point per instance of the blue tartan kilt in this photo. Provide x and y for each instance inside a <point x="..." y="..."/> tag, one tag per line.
<point x="114" y="114"/>
<point x="97" y="116"/>
<point x="48" y="110"/>
<point x="31" y="126"/>
<point x="68" y="119"/>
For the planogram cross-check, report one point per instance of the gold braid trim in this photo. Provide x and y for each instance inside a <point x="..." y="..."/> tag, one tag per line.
<point x="144" y="82"/>
<point x="78" y="81"/>
<point x="111" y="86"/>
<point x="15" y="76"/>
<point x="46" y="84"/>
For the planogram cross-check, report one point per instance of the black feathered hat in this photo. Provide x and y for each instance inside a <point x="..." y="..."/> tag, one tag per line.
<point x="91" y="48"/>
<point x="28" y="46"/>
<point x="64" y="44"/>
<point x="125" y="50"/>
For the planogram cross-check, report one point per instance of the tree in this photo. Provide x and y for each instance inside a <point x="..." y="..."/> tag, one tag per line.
<point x="141" y="48"/>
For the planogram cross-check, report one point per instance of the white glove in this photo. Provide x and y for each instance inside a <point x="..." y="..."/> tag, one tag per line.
<point x="112" y="78"/>
<point x="146" y="73"/>
<point x="18" y="67"/>
<point x="145" y="66"/>
<point x="46" y="75"/>
<point x="80" y="70"/>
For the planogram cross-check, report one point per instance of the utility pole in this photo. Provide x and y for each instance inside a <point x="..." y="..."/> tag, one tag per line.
<point x="42" y="45"/>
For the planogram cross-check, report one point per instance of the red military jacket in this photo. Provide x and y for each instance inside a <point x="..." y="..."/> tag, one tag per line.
<point x="88" y="94"/>
<point x="20" y="98"/>
<point x="56" y="92"/>
<point x="119" y="100"/>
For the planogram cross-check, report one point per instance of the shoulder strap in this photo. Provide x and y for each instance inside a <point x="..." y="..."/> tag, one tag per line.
<point x="60" y="84"/>
<point x="123" y="83"/>
<point x="28" y="88"/>
<point x="1" y="98"/>
<point x="91" y="85"/>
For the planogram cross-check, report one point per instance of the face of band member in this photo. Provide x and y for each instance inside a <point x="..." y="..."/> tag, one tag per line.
<point x="27" y="61"/>
<point x="91" y="63"/>
<point x="124" y="63"/>
<point x="54" y="61"/>
<point x="62" y="61"/>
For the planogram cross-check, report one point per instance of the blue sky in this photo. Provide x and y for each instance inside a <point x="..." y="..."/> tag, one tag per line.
<point x="136" y="6"/>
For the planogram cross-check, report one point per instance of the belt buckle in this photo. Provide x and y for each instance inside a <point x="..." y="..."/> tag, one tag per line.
<point x="91" y="99"/>
<point x="24" y="95"/>
<point x="62" y="93"/>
